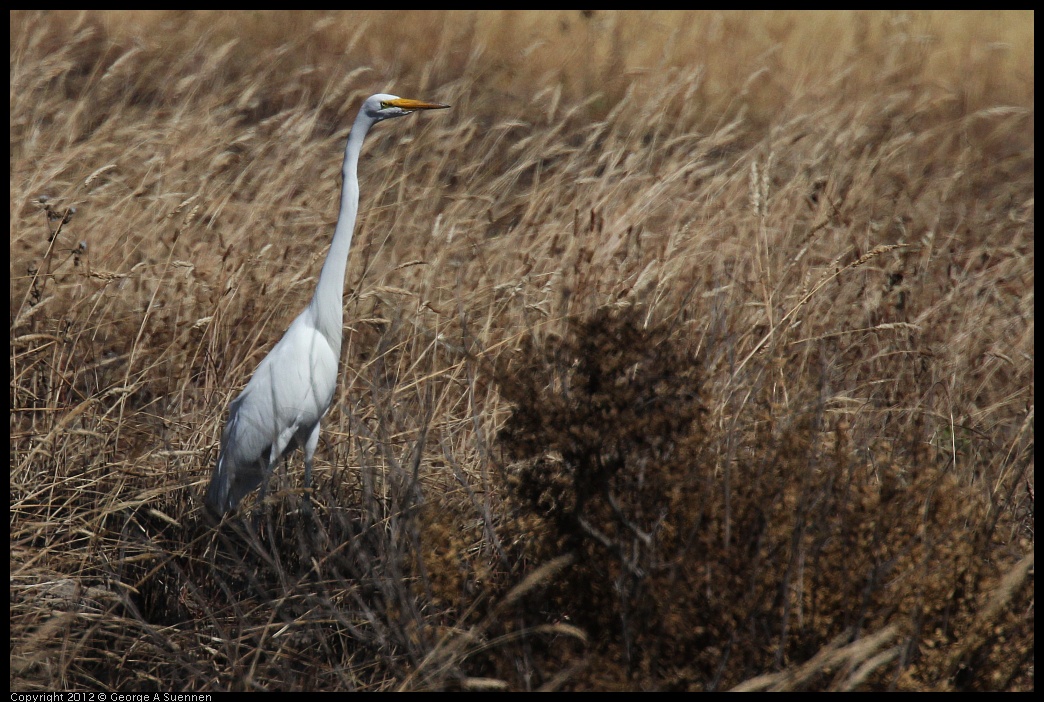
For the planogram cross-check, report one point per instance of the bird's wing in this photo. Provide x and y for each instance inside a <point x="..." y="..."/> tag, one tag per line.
<point x="291" y="388"/>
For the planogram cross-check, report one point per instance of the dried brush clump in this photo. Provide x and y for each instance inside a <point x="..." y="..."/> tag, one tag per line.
<point x="606" y="427"/>
<point x="685" y="578"/>
<point x="606" y="423"/>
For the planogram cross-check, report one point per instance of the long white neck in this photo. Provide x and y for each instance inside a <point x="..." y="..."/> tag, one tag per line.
<point x="327" y="302"/>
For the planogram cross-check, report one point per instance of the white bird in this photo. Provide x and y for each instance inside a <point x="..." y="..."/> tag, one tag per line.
<point x="292" y="388"/>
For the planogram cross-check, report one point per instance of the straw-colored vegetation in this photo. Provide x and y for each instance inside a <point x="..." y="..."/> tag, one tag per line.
<point x="686" y="351"/>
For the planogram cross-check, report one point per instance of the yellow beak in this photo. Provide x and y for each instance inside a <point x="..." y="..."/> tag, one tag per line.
<point x="407" y="104"/>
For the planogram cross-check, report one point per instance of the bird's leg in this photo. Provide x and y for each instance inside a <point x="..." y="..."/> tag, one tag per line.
<point x="309" y="451"/>
<point x="308" y="487"/>
<point x="261" y="503"/>
<point x="266" y="475"/>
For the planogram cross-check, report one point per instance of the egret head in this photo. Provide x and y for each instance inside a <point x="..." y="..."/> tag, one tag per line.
<point x="381" y="106"/>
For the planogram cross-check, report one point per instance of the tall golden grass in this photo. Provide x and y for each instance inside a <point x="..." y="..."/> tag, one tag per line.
<point x="689" y="350"/>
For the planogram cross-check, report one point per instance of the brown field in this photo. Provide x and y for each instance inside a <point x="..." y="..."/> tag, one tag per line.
<point x="687" y="351"/>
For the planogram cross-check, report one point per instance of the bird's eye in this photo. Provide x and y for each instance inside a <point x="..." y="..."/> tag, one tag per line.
<point x="384" y="105"/>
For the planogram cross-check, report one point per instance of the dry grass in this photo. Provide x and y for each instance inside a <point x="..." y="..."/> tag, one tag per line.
<point x="687" y="351"/>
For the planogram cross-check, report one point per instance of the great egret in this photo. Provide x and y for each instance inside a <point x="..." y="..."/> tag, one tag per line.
<point x="292" y="388"/>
